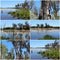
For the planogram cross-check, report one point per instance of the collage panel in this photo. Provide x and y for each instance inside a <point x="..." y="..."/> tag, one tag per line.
<point x="15" y="30"/>
<point x="44" y="9"/>
<point x="30" y="9"/>
<point x="45" y="29"/>
<point x="13" y="10"/>
<point x="15" y="50"/>
<point x="44" y="49"/>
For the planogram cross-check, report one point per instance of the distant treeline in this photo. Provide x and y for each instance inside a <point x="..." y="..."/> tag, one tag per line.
<point x="18" y="27"/>
<point x="26" y="26"/>
<point x="44" y="26"/>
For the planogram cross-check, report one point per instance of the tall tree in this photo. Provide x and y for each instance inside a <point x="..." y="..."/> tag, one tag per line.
<point x="46" y="8"/>
<point x="35" y="10"/>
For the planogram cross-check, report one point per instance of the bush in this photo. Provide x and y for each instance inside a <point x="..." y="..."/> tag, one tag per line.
<point x="21" y="14"/>
<point x="52" y="53"/>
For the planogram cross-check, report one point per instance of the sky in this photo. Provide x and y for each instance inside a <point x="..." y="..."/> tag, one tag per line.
<point x="40" y="43"/>
<point x="8" y="23"/>
<point x="33" y="43"/>
<point x="12" y="3"/>
<point x="8" y="44"/>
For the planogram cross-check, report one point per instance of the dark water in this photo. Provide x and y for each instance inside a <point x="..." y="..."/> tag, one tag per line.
<point x="35" y="56"/>
<point x="5" y="16"/>
<point x="37" y="34"/>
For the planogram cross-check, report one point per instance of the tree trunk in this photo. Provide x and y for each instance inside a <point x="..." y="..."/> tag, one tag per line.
<point x="45" y="10"/>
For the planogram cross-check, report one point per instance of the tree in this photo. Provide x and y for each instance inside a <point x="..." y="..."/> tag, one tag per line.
<point x="23" y="5"/>
<point x="20" y="26"/>
<point x="42" y="25"/>
<point x="27" y="26"/>
<point x="47" y="46"/>
<point x="17" y="6"/>
<point x="18" y="46"/>
<point x="3" y="50"/>
<point x="14" y="26"/>
<point x="55" y="44"/>
<point x="35" y="10"/>
<point x="46" y="8"/>
<point x="31" y="4"/>
<point x="38" y="26"/>
<point x="55" y="6"/>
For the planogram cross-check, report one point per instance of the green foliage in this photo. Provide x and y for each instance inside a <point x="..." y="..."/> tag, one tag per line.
<point x="52" y="53"/>
<point x="21" y="14"/>
<point x="3" y="50"/>
<point x="2" y="37"/>
<point x="48" y="37"/>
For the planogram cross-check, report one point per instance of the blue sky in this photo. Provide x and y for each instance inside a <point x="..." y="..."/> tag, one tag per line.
<point x="40" y="43"/>
<point x="8" y="44"/>
<point x="12" y="3"/>
<point x="33" y="43"/>
<point x="8" y="23"/>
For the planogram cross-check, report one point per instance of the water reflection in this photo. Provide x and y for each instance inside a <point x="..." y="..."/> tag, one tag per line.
<point x="37" y="34"/>
<point x="19" y="35"/>
<point x="5" y="16"/>
<point x="35" y="56"/>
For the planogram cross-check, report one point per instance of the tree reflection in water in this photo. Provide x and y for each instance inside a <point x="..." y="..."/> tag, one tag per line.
<point x="17" y="35"/>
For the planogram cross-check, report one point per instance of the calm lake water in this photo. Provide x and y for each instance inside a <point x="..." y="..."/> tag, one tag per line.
<point x="37" y="34"/>
<point x="32" y="34"/>
<point x="16" y="35"/>
<point x="35" y="56"/>
<point x="5" y="16"/>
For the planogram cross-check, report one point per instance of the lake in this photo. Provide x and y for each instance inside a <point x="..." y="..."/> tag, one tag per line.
<point x="16" y="35"/>
<point x="32" y="34"/>
<point x="37" y="34"/>
<point x="5" y="16"/>
<point x="35" y="56"/>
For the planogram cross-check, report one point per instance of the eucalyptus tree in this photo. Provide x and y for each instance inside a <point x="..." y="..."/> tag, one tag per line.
<point x="14" y="26"/>
<point x="27" y="26"/>
<point x="20" y="26"/>
<point x="31" y="4"/>
<point x="47" y="6"/>
<point x="36" y="10"/>
<point x="18" y="46"/>
<point x="42" y="26"/>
